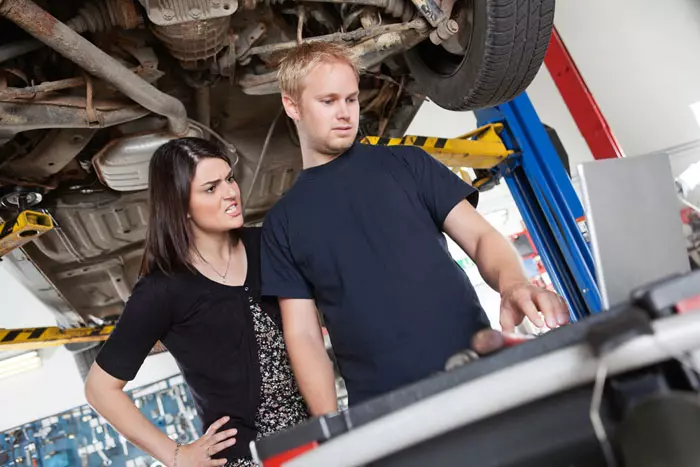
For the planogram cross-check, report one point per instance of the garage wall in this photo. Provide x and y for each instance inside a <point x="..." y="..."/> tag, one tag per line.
<point x="553" y="111"/>
<point x="57" y="385"/>
<point x="640" y="61"/>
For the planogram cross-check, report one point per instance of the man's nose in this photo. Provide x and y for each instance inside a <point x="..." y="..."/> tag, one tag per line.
<point x="343" y="111"/>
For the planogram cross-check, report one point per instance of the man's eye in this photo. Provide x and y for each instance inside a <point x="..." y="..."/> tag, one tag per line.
<point x="230" y="179"/>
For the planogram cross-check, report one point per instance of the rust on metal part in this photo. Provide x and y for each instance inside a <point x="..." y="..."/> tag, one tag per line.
<point x="368" y="53"/>
<point x="430" y="10"/>
<point x="128" y="14"/>
<point x="95" y="61"/>
<point x="28" y="183"/>
<point x="19" y="12"/>
<point x="37" y="93"/>
<point x="30" y="92"/>
<point x="356" y="35"/>
<point x="74" y="101"/>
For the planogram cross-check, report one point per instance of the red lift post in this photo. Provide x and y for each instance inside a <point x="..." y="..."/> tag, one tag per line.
<point x="582" y="106"/>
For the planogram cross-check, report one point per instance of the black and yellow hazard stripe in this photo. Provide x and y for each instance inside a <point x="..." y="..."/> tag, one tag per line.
<point x="479" y="149"/>
<point x="33" y="338"/>
<point x="424" y="142"/>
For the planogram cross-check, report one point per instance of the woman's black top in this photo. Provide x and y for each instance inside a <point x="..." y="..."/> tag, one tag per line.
<point x="208" y="329"/>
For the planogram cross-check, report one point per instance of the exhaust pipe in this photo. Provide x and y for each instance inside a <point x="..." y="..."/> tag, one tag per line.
<point x="57" y="35"/>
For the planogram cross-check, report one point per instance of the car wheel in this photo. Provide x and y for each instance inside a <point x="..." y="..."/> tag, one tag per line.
<point x="496" y="54"/>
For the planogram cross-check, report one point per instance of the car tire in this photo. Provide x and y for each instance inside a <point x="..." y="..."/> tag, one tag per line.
<point x="496" y="54"/>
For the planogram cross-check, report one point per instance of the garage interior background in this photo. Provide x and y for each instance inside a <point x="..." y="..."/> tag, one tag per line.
<point x="636" y="58"/>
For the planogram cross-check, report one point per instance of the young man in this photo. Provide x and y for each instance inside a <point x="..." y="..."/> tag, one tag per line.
<point x="360" y="237"/>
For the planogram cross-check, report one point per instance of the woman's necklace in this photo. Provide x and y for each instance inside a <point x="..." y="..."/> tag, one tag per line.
<point x="228" y="263"/>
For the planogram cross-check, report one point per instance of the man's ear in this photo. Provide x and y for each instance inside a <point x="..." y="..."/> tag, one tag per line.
<point x="291" y="107"/>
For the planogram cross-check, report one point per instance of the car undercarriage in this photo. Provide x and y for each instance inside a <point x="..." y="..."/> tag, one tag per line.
<point x="90" y="88"/>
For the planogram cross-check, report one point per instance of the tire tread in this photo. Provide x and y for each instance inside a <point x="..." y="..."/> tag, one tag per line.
<point x="517" y="38"/>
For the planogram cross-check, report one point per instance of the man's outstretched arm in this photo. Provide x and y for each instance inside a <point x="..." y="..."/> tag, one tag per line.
<point x="307" y="353"/>
<point x="497" y="260"/>
<point x="501" y="268"/>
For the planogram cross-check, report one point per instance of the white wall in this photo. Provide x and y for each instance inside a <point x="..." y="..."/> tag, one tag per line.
<point x="432" y="120"/>
<point x="56" y="386"/>
<point x="640" y="61"/>
<point x="553" y="111"/>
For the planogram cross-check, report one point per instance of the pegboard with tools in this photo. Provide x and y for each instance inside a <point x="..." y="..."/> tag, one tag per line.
<point x="80" y="437"/>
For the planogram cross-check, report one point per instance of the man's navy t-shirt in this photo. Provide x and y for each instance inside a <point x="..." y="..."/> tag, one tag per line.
<point x="362" y="236"/>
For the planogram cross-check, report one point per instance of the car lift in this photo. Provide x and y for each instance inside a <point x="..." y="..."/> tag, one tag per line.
<point x="23" y="228"/>
<point x="546" y="199"/>
<point x="511" y="143"/>
<point x="34" y="338"/>
<point x="481" y="149"/>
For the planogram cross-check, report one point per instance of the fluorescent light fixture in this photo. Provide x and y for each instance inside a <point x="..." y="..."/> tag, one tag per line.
<point x="19" y="364"/>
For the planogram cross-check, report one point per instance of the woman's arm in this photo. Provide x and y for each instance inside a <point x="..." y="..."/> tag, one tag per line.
<point x="105" y="394"/>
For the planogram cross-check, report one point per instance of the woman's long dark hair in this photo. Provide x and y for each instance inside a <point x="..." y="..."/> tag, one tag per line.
<point x="171" y="171"/>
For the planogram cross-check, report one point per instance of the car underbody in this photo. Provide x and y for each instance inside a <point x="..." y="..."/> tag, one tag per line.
<point x="90" y="88"/>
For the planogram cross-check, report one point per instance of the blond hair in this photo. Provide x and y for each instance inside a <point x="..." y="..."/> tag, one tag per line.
<point x="305" y="57"/>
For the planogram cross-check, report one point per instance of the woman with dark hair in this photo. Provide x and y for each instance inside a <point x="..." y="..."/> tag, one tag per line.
<point x="200" y="296"/>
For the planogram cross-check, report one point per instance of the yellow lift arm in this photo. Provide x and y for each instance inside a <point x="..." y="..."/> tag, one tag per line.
<point x="24" y="228"/>
<point x="34" y="338"/>
<point x="478" y="149"/>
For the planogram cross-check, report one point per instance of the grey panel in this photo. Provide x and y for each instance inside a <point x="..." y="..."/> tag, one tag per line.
<point x="635" y="225"/>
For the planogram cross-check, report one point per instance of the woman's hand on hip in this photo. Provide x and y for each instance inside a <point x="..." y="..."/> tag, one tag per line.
<point x="200" y="452"/>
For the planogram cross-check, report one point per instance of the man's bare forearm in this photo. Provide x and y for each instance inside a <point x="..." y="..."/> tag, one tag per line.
<point x="498" y="262"/>
<point x="314" y="373"/>
<point x="119" y="410"/>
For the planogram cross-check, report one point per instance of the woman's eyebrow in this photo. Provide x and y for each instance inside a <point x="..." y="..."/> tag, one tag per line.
<point x="218" y="180"/>
<point x="212" y="182"/>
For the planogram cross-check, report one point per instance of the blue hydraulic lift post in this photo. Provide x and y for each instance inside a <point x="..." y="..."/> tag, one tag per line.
<point x="547" y="201"/>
